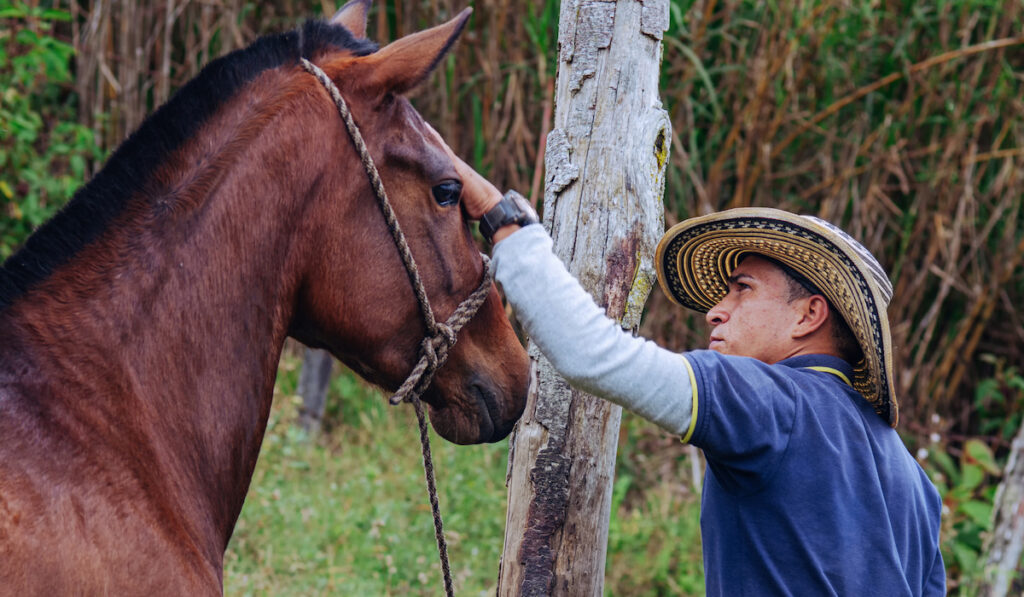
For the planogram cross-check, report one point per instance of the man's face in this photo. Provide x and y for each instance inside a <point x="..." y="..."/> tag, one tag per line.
<point x="755" y="319"/>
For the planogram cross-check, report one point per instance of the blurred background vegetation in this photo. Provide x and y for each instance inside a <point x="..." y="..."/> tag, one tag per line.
<point x="901" y="121"/>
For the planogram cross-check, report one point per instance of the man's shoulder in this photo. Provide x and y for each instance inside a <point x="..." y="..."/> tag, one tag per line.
<point x="724" y="369"/>
<point x="733" y="390"/>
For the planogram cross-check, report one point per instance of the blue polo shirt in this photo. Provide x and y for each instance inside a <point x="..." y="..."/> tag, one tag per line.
<point x="807" y="490"/>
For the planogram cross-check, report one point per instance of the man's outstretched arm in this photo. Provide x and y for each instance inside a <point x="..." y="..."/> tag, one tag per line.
<point x="583" y="344"/>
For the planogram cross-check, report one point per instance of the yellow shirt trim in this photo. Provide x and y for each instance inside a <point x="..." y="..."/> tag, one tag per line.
<point x="693" y="409"/>
<point x="835" y="372"/>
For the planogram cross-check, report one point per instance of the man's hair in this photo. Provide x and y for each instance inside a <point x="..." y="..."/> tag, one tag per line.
<point x="800" y="287"/>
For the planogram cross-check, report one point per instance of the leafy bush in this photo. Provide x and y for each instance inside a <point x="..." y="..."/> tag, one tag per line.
<point x="44" y="153"/>
<point x="999" y="400"/>
<point x="968" y="490"/>
<point x="654" y="543"/>
<point x="967" y="474"/>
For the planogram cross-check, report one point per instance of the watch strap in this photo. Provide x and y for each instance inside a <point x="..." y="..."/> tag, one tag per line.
<point x="512" y="209"/>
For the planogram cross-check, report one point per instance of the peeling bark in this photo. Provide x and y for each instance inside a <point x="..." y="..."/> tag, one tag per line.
<point x="604" y="182"/>
<point x="596" y="18"/>
<point x="654" y="20"/>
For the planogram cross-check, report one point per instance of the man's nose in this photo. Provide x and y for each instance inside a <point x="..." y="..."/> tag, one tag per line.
<point x="717" y="315"/>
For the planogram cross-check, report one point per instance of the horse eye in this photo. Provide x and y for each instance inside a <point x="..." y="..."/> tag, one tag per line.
<point x="447" y="193"/>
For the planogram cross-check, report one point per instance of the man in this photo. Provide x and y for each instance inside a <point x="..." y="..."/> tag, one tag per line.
<point x="808" y="490"/>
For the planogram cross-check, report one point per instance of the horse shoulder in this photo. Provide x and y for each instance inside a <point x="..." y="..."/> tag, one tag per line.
<point x="71" y="521"/>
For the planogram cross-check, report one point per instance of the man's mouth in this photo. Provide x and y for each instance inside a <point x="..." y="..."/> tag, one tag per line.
<point x="714" y="342"/>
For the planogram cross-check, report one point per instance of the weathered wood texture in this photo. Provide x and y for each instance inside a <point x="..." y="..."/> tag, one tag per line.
<point x="1006" y="543"/>
<point x="604" y="182"/>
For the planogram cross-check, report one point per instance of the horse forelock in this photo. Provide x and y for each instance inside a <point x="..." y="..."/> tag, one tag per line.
<point x="97" y="204"/>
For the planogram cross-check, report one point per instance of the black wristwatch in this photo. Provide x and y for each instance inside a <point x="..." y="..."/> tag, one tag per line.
<point x="512" y="209"/>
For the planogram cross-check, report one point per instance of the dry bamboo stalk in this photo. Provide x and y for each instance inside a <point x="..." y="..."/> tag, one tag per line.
<point x="547" y="112"/>
<point x="163" y="85"/>
<point x="891" y="78"/>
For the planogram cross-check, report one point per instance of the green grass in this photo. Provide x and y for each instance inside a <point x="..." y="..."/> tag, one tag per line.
<point x="347" y="513"/>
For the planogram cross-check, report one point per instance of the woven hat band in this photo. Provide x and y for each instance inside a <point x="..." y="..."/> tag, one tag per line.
<point x="867" y="259"/>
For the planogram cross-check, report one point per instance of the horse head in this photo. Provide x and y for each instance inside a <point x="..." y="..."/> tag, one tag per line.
<point x="355" y="297"/>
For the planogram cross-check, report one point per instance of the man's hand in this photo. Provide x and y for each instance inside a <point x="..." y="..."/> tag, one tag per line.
<point x="478" y="194"/>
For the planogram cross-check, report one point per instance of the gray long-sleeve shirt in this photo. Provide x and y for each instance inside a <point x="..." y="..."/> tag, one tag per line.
<point x="584" y="345"/>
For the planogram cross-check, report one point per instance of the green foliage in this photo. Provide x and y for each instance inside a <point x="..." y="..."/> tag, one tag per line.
<point x="968" y="485"/>
<point x="541" y="20"/>
<point x="968" y="490"/>
<point x="44" y="153"/>
<point x="654" y="545"/>
<point x="999" y="400"/>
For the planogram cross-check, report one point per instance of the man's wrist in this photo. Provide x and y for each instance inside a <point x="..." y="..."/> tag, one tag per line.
<point x="505" y="231"/>
<point x="510" y="214"/>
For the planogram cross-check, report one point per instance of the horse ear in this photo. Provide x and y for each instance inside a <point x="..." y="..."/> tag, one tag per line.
<point x="405" y="63"/>
<point x="352" y="16"/>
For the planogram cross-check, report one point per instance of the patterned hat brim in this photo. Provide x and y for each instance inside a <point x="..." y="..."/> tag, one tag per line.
<point x="694" y="259"/>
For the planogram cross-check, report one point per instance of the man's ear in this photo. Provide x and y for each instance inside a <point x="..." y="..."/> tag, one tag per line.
<point x="352" y="16"/>
<point x="815" y="312"/>
<point x="403" y="64"/>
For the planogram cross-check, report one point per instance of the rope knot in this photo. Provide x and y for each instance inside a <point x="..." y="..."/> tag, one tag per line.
<point x="446" y="334"/>
<point x="430" y="349"/>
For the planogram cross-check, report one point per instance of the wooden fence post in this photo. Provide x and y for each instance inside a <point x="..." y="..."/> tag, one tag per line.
<point x="1005" y="544"/>
<point x="314" y="379"/>
<point x="604" y="182"/>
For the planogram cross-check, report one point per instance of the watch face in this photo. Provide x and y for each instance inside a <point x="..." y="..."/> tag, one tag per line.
<point x="512" y="209"/>
<point x="526" y="215"/>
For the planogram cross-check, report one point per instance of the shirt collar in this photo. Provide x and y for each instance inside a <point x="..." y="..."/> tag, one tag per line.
<point x="819" y="360"/>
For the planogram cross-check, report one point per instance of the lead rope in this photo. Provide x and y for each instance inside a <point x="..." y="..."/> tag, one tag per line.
<point x="440" y="336"/>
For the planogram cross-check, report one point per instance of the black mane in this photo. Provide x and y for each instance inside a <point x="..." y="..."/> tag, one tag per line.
<point x="102" y="199"/>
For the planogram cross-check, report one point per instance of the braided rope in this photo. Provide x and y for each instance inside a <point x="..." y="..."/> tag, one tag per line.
<point x="434" y="349"/>
<point x="435" y="508"/>
<point x="440" y="337"/>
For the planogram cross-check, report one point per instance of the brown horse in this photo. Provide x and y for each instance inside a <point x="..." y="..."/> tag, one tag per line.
<point x="140" y="329"/>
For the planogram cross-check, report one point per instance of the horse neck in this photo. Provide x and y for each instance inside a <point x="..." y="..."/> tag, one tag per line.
<point x="172" y="323"/>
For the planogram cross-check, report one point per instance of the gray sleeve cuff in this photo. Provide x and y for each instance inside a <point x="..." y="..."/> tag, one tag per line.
<point x="584" y="345"/>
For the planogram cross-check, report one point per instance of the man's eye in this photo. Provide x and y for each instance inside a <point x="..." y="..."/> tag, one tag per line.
<point x="447" y="193"/>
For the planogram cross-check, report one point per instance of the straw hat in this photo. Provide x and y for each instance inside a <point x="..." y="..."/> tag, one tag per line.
<point x="695" y="257"/>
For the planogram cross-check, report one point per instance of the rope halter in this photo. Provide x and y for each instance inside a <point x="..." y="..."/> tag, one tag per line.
<point x="440" y="336"/>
